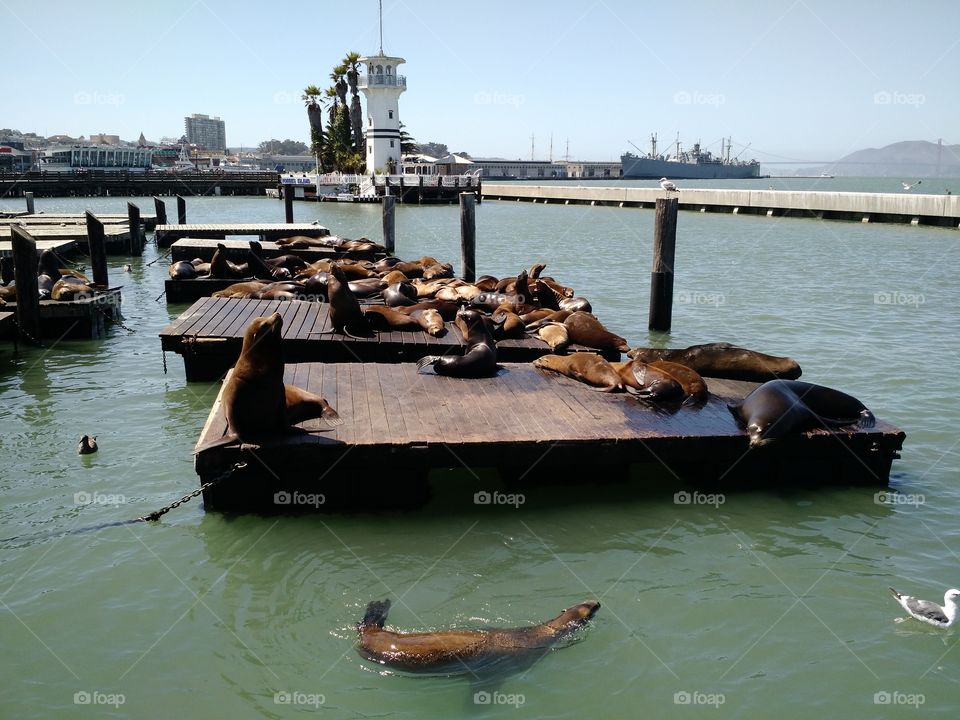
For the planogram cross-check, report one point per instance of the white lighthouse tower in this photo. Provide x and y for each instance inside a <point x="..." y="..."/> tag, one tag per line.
<point x="381" y="86"/>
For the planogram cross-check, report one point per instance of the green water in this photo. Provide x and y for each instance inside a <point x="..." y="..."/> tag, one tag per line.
<point x="769" y="603"/>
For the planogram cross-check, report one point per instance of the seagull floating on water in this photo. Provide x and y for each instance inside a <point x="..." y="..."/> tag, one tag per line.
<point x="929" y="612"/>
<point x="911" y="185"/>
<point x="668" y="185"/>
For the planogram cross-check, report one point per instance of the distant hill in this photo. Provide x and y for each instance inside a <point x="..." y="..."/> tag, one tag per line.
<point x="911" y="158"/>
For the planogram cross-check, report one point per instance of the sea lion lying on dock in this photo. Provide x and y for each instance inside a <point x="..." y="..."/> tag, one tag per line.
<point x="586" y="367"/>
<point x="584" y="329"/>
<point x="723" y="360"/>
<point x="780" y="407"/>
<point x="462" y="651"/>
<point x="480" y="357"/>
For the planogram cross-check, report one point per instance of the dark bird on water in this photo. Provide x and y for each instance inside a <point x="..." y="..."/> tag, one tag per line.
<point x="88" y="444"/>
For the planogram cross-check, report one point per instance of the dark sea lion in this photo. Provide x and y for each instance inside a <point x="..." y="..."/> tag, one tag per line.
<point x="539" y="318"/>
<point x="689" y="379"/>
<point x="410" y="269"/>
<point x="480" y="357"/>
<point x="722" y="360"/>
<point x="380" y="317"/>
<point x="365" y="288"/>
<point x="260" y="269"/>
<point x="287" y="290"/>
<point x="576" y="304"/>
<point x="255" y="400"/>
<point x="586" y="330"/>
<point x="240" y="290"/>
<point x="87" y="445"/>
<point x="462" y="651"/>
<point x="223" y="269"/>
<point x="555" y="335"/>
<point x="316" y="285"/>
<point x="780" y="407"/>
<point x="561" y="291"/>
<point x="345" y="313"/>
<point x="507" y="324"/>
<point x="386" y="264"/>
<point x="400" y="294"/>
<point x="648" y="382"/>
<point x="486" y="283"/>
<point x="438" y="271"/>
<point x="585" y="367"/>
<point x="182" y="270"/>
<point x="70" y="288"/>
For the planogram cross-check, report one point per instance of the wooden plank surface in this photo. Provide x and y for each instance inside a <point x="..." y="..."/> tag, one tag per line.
<point x="112" y="233"/>
<point x="59" y="246"/>
<point x="167" y="234"/>
<point x="236" y="250"/>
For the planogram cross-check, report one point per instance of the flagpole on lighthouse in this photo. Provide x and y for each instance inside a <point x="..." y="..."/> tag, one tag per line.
<point x="381" y="26"/>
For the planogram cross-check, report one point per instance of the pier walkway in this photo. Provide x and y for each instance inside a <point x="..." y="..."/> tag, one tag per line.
<point x="913" y="209"/>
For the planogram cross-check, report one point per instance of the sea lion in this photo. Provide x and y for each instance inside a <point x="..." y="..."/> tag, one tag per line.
<point x="461" y="651"/>
<point x="70" y="288"/>
<point x="394" y="276"/>
<point x="723" y="360"/>
<point x="399" y="294"/>
<point x="182" y="270"/>
<point x="258" y="268"/>
<point x="538" y="318"/>
<point x="345" y="313"/>
<point x="286" y="290"/>
<point x="584" y="367"/>
<point x="87" y="445"/>
<point x="223" y="269"/>
<point x="384" y="318"/>
<point x="507" y="324"/>
<point x="555" y="335"/>
<point x="689" y="379"/>
<point x="355" y="271"/>
<point x="255" y="400"/>
<point x="586" y="330"/>
<point x="648" y="382"/>
<point x="576" y="304"/>
<point x="480" y="357"/>
<point x="448" y="310"/>
<point x="438" y="271"/>
<point x="780" y="407"/>
<point x="430" y="321"/>
<point x="486" y="283"/>
<point x="240" y="290"/>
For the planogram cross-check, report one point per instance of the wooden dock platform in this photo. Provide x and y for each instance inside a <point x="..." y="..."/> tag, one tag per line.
<point x="906" y="208"/>
<point x="209" y="336"/>
<point x="147" y="221"/>
<point x="78" y="319"/>
<point x="522" y="419"/>
<point x="117" y="237"/>
<point x="61" y="247"/>
<point x="236" y="251"/>
<point x="6" y="324"/>
<point x="166" y="235"/>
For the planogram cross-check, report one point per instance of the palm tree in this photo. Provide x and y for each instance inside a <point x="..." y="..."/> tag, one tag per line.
<point x="352" y="62"/>
<point x="408" y="146"/>
<point x="310" y="96"/>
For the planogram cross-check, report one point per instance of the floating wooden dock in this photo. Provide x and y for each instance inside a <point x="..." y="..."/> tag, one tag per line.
<point x="912" y="209"/>
<point x="147" y="221"/>
<point x="61" y="247"/>
<point x="209" y="336"/>
<point x="78" y="319"/>
<point x="167" y="234"/>
<point x="531" y="424"/>
<point x="116" y="237"/>
<point x="236" y="251"/>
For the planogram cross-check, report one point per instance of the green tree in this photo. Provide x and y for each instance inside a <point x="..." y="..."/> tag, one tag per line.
<point x="408" y="146"/>
<point x="338" y="138"/>
<point x="311" y="98"/>
<point x="352" y="62"/>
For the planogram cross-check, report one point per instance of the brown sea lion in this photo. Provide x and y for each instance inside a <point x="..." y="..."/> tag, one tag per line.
<point x="430" y="321"/>
<point x="723" y="360"/>
<point x="486" y="283"/>
<point x="780" y="407"/>
<point x="576" y="304"/>
<point x="394" y="276"/>
<point x="690" y="380"/>
<point x="538" y="318"/>
<point x="648" y="382"/>
<point x="507" y="324"/>
<point x="438" y="271"/>
<point x="240" y="290"/>
<point x="585" y="367"/>
<point x="448" y="310"/>
<point x="70" y="288"/>
<point x="380" y="317"/>
<point x="586" y="330"/>
<point x="182" y="270"/>
<point x="355" y="271"/>
<point x="480" y="357"/>
<point x="286" y="290"/>
<point x="462" y="651"/>
<point x="555" y="335"/>
<point x="345" y="313"/>
<point x="255" y="400"/>
<point x="561" y="291"/>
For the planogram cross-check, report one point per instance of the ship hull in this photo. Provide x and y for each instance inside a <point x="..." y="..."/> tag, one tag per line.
<point x="634" y="167"/>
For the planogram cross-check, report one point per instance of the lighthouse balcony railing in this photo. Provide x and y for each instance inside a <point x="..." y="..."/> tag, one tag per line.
<point x="382" y="81"/>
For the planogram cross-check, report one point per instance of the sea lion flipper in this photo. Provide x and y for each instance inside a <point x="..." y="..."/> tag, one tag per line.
<point x="376" y="614"/>
<point x="867" y="419"/>
<point x="427" y="360"/>
<point x="330" y="415"/>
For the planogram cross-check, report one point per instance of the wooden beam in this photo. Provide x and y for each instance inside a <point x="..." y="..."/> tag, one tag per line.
<point x="468" y="237"/>
<point x="28" y="290"/>
<point x="661" y="278"/>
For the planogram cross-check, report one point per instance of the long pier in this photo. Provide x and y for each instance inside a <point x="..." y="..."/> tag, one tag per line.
<point x="912" y="209"/>
<point x="102" y="183"/>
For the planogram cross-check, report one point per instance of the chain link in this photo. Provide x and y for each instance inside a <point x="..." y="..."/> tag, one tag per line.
<point x="26" y="334"/>
<point x="190" y="496"/>
<point x="113" y="319"/>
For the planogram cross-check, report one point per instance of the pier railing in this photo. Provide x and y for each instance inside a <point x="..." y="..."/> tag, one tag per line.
<point x="382" y="81"/>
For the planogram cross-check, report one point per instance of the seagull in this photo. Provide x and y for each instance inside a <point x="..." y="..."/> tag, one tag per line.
<point x="929" y="612"/>
<point x="668" y="185"/>
<point x="910" y="186"/>
<point x="87" y="445"/>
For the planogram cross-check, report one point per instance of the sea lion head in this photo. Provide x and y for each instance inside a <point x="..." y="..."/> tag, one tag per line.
<point x="470" y="322"/>
<point x="576" y="616"/>
<point x="263" y="334"/>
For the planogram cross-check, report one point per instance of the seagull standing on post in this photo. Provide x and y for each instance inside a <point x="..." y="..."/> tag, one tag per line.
<point x="668" y="185"/>
<point x="930" y="612"/>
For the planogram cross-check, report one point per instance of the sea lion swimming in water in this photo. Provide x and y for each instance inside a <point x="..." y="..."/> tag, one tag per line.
<point x="87" y="445"/>
<point x="462" y="651"/>
<point x="723" y="360"/>
<point x="780" y="407"/>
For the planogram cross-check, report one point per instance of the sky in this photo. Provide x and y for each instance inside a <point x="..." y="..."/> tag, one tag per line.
<point x="806" y="80"/>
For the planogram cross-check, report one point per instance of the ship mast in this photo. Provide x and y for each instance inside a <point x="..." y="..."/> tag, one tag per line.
<point x="653" y="145"/>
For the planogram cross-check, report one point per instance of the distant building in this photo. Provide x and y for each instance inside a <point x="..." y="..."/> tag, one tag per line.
<point x="95" y="156"/>
<point x="579" y="169"/>
<point x="101" y="139"/>
<point x="206" y="132"/>
<point x="287" y="163"/>
<point x="382" y="85"/>
<point x="13" y="158"/>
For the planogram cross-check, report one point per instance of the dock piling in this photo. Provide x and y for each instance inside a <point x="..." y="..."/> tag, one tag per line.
<point x="136" y="233"/>
<point x="28" y="196"/>
<point x="661" y="278"/>
<point x="389" y="210"/>
<point x="468" y="237"/>
<point x="181" y="211"/>
<point x="98" y="249"/>
<point x="25" y="263"/>
<point x="160" y="210"/>
<point x="288" y="203"/>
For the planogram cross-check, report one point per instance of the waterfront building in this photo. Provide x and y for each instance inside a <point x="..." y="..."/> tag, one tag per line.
<point x="95" y="156"/>
<point x="381" y="86"/>
<point x="206" y="132"/>
<point x="13" y="157"/>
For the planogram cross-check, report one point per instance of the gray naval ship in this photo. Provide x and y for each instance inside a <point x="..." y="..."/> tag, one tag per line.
<point x="694" y="164"/>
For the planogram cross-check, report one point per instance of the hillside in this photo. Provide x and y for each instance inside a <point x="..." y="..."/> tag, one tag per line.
<point x="910" y="158"/>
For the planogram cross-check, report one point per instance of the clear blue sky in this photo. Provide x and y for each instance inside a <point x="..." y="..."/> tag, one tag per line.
<point x="793" y="79"/>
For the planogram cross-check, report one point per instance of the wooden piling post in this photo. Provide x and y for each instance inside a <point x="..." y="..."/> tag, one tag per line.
<point x="181" y="211"/>
<point x="98" y="249"/>
<point x="25" y="275"/>
<point x="468" y="237"/>
<point x="288" y="203"/>
<point x="661" y="278"/>
<point x="160" y="209"/>
<point x="28" y="196"/>
<point x="136" y="234"/>
<point x="389" y="210"/>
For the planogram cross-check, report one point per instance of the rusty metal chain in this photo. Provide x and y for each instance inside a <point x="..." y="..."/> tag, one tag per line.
<point x="26" y="334"/>
<point x="188" y="497"/>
